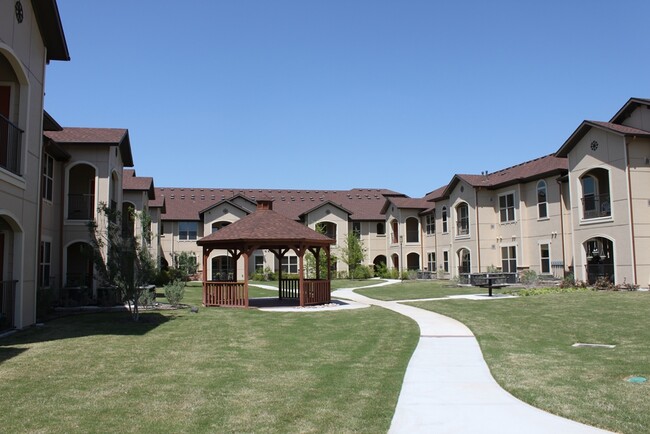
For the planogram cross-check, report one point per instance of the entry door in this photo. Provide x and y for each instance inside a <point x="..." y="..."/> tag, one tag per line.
<point x="5" y="105"/>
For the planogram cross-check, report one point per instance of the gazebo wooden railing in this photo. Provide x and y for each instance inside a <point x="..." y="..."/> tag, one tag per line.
<point x="230" y="294"/>
<point x="317" y="291"/>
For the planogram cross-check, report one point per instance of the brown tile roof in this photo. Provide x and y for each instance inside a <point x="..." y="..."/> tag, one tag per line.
<point x="265" y="228"/>
<point x="138" y="183"/>
<point x="363" y="203"/>
<point x="527" y="171"/>
<point x="585" y="126"/>
<point x="95" y="136"/>
<point x="405" y="203"/>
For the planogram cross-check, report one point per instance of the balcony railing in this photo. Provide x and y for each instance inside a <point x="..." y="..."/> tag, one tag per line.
<point x="595" y="206"/>
<point x="10" y="138"/>
<point x="596" y="271"/>
<point x="81" y="206"/>
<point x="462" y="228"/>
<point x="7" y="301"/>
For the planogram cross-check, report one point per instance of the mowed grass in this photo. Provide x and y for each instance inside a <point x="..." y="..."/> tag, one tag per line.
<point x="412" y="289"/>
<point x="219" y="370"/>
<point x="527" y="345"/>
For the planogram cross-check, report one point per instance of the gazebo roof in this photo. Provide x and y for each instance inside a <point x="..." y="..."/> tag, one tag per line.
<point x="266" y="228"/>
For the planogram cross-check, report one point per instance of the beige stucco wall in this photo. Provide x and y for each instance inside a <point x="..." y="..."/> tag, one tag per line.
<point x="609" y="155"/>
<point x="22" y="47"/>
<point x="639" y="176"/>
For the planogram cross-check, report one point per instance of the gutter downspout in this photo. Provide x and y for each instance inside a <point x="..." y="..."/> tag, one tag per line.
<point x="478" y="234"/>
<point x="631" y="205"/>
<point x="559" y="184"/>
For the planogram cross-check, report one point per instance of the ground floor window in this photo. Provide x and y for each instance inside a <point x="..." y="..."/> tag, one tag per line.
<point x="445" y="261"/>
<point x="509" y="259"/>
<point x="289" y="264"/>
<point x="259" y="263"/>
<point x="545" y="258"/>
<point x="431" y="261"/>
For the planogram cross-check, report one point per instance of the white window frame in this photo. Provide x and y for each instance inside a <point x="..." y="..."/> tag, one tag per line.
<point x="456" y="208"/>
<point x="186" y="234"/>
<point x="431" y="261"/>
<point x="445" y="220"/>
<point x="45" y="262"/>
<point x="506" y="208"/>
<point x="257" y="266"/>
<point x="509" y="258"/>
<point x="541" y="184"/>
<point x="289" y="263"/>
<point x="541" y="258"/>
<point x="445" y="261"/>
<point x="430" y="223"/>
<point x="48" y="178"/>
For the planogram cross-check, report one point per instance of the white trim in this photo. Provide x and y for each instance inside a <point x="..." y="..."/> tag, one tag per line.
<point x="66" y="191"/>
<point x="514" y="206"/>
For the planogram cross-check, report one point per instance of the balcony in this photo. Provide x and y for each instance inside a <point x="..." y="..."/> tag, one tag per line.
<point x="81" y="206"/>
<point x="462" y="228"/>
<point x="596" y="206"/>
<point x="10" y="139"/>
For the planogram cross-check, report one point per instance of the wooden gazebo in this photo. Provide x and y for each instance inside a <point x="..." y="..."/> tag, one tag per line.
<point x="266" y="229"/>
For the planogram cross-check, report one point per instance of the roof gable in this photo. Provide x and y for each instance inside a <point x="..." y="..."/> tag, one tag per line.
<point x="584" y="128"/>
<point x="95" y="136"/>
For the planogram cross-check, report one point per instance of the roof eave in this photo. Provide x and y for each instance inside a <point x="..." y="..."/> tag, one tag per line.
<point x="49" y="23"/>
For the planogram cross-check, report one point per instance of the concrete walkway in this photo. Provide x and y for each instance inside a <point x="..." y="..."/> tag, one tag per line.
<point x="448" y="387"/>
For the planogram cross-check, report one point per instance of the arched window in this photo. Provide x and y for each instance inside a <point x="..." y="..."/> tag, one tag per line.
<point x="327" y="228"/>
<point x="462" y="219"/>
<point x="395" y="231"/>
<point x="81" y="192"/>
<point x="596" y="201"/>
<point x="445" y="229"/>
<point x="412" y="230"/>
<point x="542" y="211"/>
<point x="219" y="225"/>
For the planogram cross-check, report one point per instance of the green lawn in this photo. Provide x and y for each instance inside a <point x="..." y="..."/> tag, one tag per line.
<point x="408" y="290"/>
<point x="527" y="344"/>
<point x="220" y="370"/>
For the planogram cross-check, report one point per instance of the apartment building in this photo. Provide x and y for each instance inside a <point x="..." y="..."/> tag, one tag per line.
<point x="191" y="213"/>
<point x="31" y="35"/>
<point x="608" y="179"/>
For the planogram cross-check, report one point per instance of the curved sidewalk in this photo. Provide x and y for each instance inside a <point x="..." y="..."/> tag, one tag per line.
<point x="448" y="387"/>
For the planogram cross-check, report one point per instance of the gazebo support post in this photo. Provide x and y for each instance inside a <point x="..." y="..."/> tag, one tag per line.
<point x="206" y="253"/>
<point x="245" y="279"/>
<point x="301" y="271"/>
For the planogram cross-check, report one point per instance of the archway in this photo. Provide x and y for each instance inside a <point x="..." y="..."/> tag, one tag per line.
<point x="379" y="263"/>
<point x="413" y="261"/>
<point x="79" y="272"/>
<point x="599" y="252"/>
<point x="464" y="265"/>
<point x="10" y="268"/>
<point x="223" y="268"/>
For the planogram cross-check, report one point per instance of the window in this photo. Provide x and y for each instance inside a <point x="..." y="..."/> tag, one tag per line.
<point x="462" y="219"/>
<point x="430" y="223"/>
<point x="444" y="220"/>
<point x="327" y="229"/>
<point x="289" y="264"/>
<point x="44" y="270"/>
<point x="507" y="207"/>
<point x="381" y="229"/>
<point x="412" y="230"/>
<point x="509" y="259"/>
<point x="595" y="194"/>
<point x="259" y="263"/>
<point x="356" y="229"/>
<point x="445" y="261"/>
<point x="48" y="178"/>
<point x="545" y="258"/>
<point x="542" y="213"/>
<point x="395" y="234"/>
<point x="431" y="261"/>
<point x="187" y="230"/>
<point x="218" y="226"/>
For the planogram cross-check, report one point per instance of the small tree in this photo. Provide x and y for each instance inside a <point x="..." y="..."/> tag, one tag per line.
<point x="310" y="264"/>
<point x="185" y="265"/>
<point x="353" y="252"/>
<point x="121" y="261"/>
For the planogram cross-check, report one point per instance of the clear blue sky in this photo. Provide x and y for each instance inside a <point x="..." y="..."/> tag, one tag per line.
<point x="337" y="94"/>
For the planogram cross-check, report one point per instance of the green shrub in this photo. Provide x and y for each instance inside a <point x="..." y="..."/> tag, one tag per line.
<point x="363" y="272"/>
<point x="548" y="290"/>
<point x="146" y="297"/>
<point x="174" y="292"/>
<point x="528" y="277"/>
<point x="603" y="283"/>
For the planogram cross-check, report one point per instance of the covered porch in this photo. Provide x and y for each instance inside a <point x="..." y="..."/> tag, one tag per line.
<point x="266" y="229"/>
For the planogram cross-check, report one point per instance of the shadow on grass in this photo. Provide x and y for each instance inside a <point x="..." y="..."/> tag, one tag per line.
<point x="79" y="326"/>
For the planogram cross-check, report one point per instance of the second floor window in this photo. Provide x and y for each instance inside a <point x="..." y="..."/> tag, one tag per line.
<point x="507" y="208"/>
<point x="381" y="229"/>
<point x="356" y="229"/>
<point x="430" y="224"/>
<point x="187" y="230"/>
<point x="445" y="229"/>
<point x="48" y="178"/>
<point x="462" y="214"/>
<point x="542" y="212"/>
